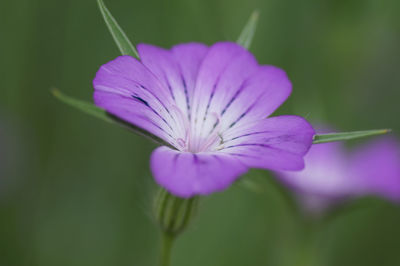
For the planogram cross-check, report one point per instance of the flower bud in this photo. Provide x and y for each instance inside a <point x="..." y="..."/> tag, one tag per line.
<point x="172" y="213"/>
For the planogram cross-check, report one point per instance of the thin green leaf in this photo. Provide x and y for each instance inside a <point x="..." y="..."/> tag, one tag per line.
<point x="120" y="38"/>
<point x="95" y="111"/>
<point x="248" y="31"/>
<point x="331" y="137"/>
<point x="86" y="107"/>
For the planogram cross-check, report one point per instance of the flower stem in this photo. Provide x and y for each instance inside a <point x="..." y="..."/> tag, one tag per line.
<point x="166" y="247"/>
<point x="308" y="253"/>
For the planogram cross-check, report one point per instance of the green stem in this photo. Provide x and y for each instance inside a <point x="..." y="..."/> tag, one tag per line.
<point x="308" y="251"/>
<point x="166" y="247"/>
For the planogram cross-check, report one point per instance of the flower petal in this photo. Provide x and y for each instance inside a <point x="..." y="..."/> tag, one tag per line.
<point x="135" y="113"/>
<point x="325" y="176"/>
<point x="223" y="70"/>
<point x="260" y="95"/>
<point x="189" y="57"/>
<point x="176" y="69"/>
<point x="233" y="87"/>
<point x="377" y="166"/>
<point x="331" y="175"/>
<point x="128" y="90"/>
<point x="188" y="174"/>
<point x="277" y="143"/>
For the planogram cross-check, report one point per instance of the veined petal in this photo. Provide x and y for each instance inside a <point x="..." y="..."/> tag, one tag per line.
<point x="187" y="174"/>
<point x="189" y="57"/>
<point x="277" y="143"/>
<point x="176" y="69"/>
<point x="134" y="112"/>
<point x="260" y="95"/>
<point x="232" y="86"/>
<point x="215" y="65"/>
<point x="126" y="74"/>
<point x="126" y="88"/>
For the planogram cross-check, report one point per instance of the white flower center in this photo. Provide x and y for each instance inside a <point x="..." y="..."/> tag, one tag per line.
<point x="197" y="136"/>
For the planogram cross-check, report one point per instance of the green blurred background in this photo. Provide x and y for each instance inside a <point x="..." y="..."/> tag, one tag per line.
<point x="77" y="191"/>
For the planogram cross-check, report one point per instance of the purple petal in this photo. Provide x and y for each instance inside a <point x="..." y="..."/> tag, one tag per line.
<point x="221" y="76"/>
<point x="260" y="95"/>
<point x="189" y="57"/>
<point x="233" y="89"/>
<point x="187" y="174"/>
<point x="331" y="175"/>
<point x="378" y="167"/>
<point x="277" y="143"/>
<point x="176" y="69"/>
<point x="134" y="112"/>
<point x="125" y="75"/>
<point x="128" y="90"/>
<point x="325" y="175"/>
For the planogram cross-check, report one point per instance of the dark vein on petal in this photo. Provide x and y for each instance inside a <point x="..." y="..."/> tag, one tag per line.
<point x="195" y="158"/>
<point x="169" y="87"/>
<point x="233" y="97"/>
<point x="211" y="97"/>
<point x="152" y="109"/>
<point x="176" y="158"/>
<point x="162" y="103"/>
<point x="214" y="126"/>
<point x="227" y="64"/>
<point x="243" y="155"/>
<point x="141" y="130"/>
<point x="155" y="96"/>
<point x="141" y="100"/>
<point x="138" y="85"/>
<point x="160" y="128"/>
<point x="249" y="144"/>
<point x="248" y="134"/>
<point x="259" y="145"/>
<point x="217" y="158"/>
<point x="242" y="115"/>
<point x="185" y="90"/>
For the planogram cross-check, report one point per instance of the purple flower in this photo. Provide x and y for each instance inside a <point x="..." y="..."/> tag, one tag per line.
<point x="332" y="174"/>
<point x="209" y="104"/>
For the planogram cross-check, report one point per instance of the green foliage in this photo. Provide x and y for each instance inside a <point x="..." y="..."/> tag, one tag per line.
<point x="120" y="38"/>
<point x="91" y="109"/>
<point x="331" y="137"/>
<point x="247" y="34"/>
<point x="83" y="106"/>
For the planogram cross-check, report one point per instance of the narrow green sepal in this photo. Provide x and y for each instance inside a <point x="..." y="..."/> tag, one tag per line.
<point x="84" y="106"/>
<point x="91" y="109"/>
<point x="247" y="34"/>
<point x="173" y="214"/>
<point x="120" y="38"/>
<point x="331" y="137"/>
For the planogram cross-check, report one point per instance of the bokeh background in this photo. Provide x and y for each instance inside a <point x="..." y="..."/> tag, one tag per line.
<point x="77" y="191"/>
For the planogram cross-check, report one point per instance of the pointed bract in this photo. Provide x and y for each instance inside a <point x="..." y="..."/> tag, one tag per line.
<point x="246" y="36"/>
<point x="332" y="137"/>
<point x="119" y="36"/>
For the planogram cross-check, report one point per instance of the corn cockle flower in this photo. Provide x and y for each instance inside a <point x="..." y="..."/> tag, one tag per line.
<point x="210" y="105"/>
<point x="332" y="175"/>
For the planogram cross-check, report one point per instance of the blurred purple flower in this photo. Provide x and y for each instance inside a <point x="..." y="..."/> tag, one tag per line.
<point x="209" y="104"/>
<point x="332" y="174"/>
